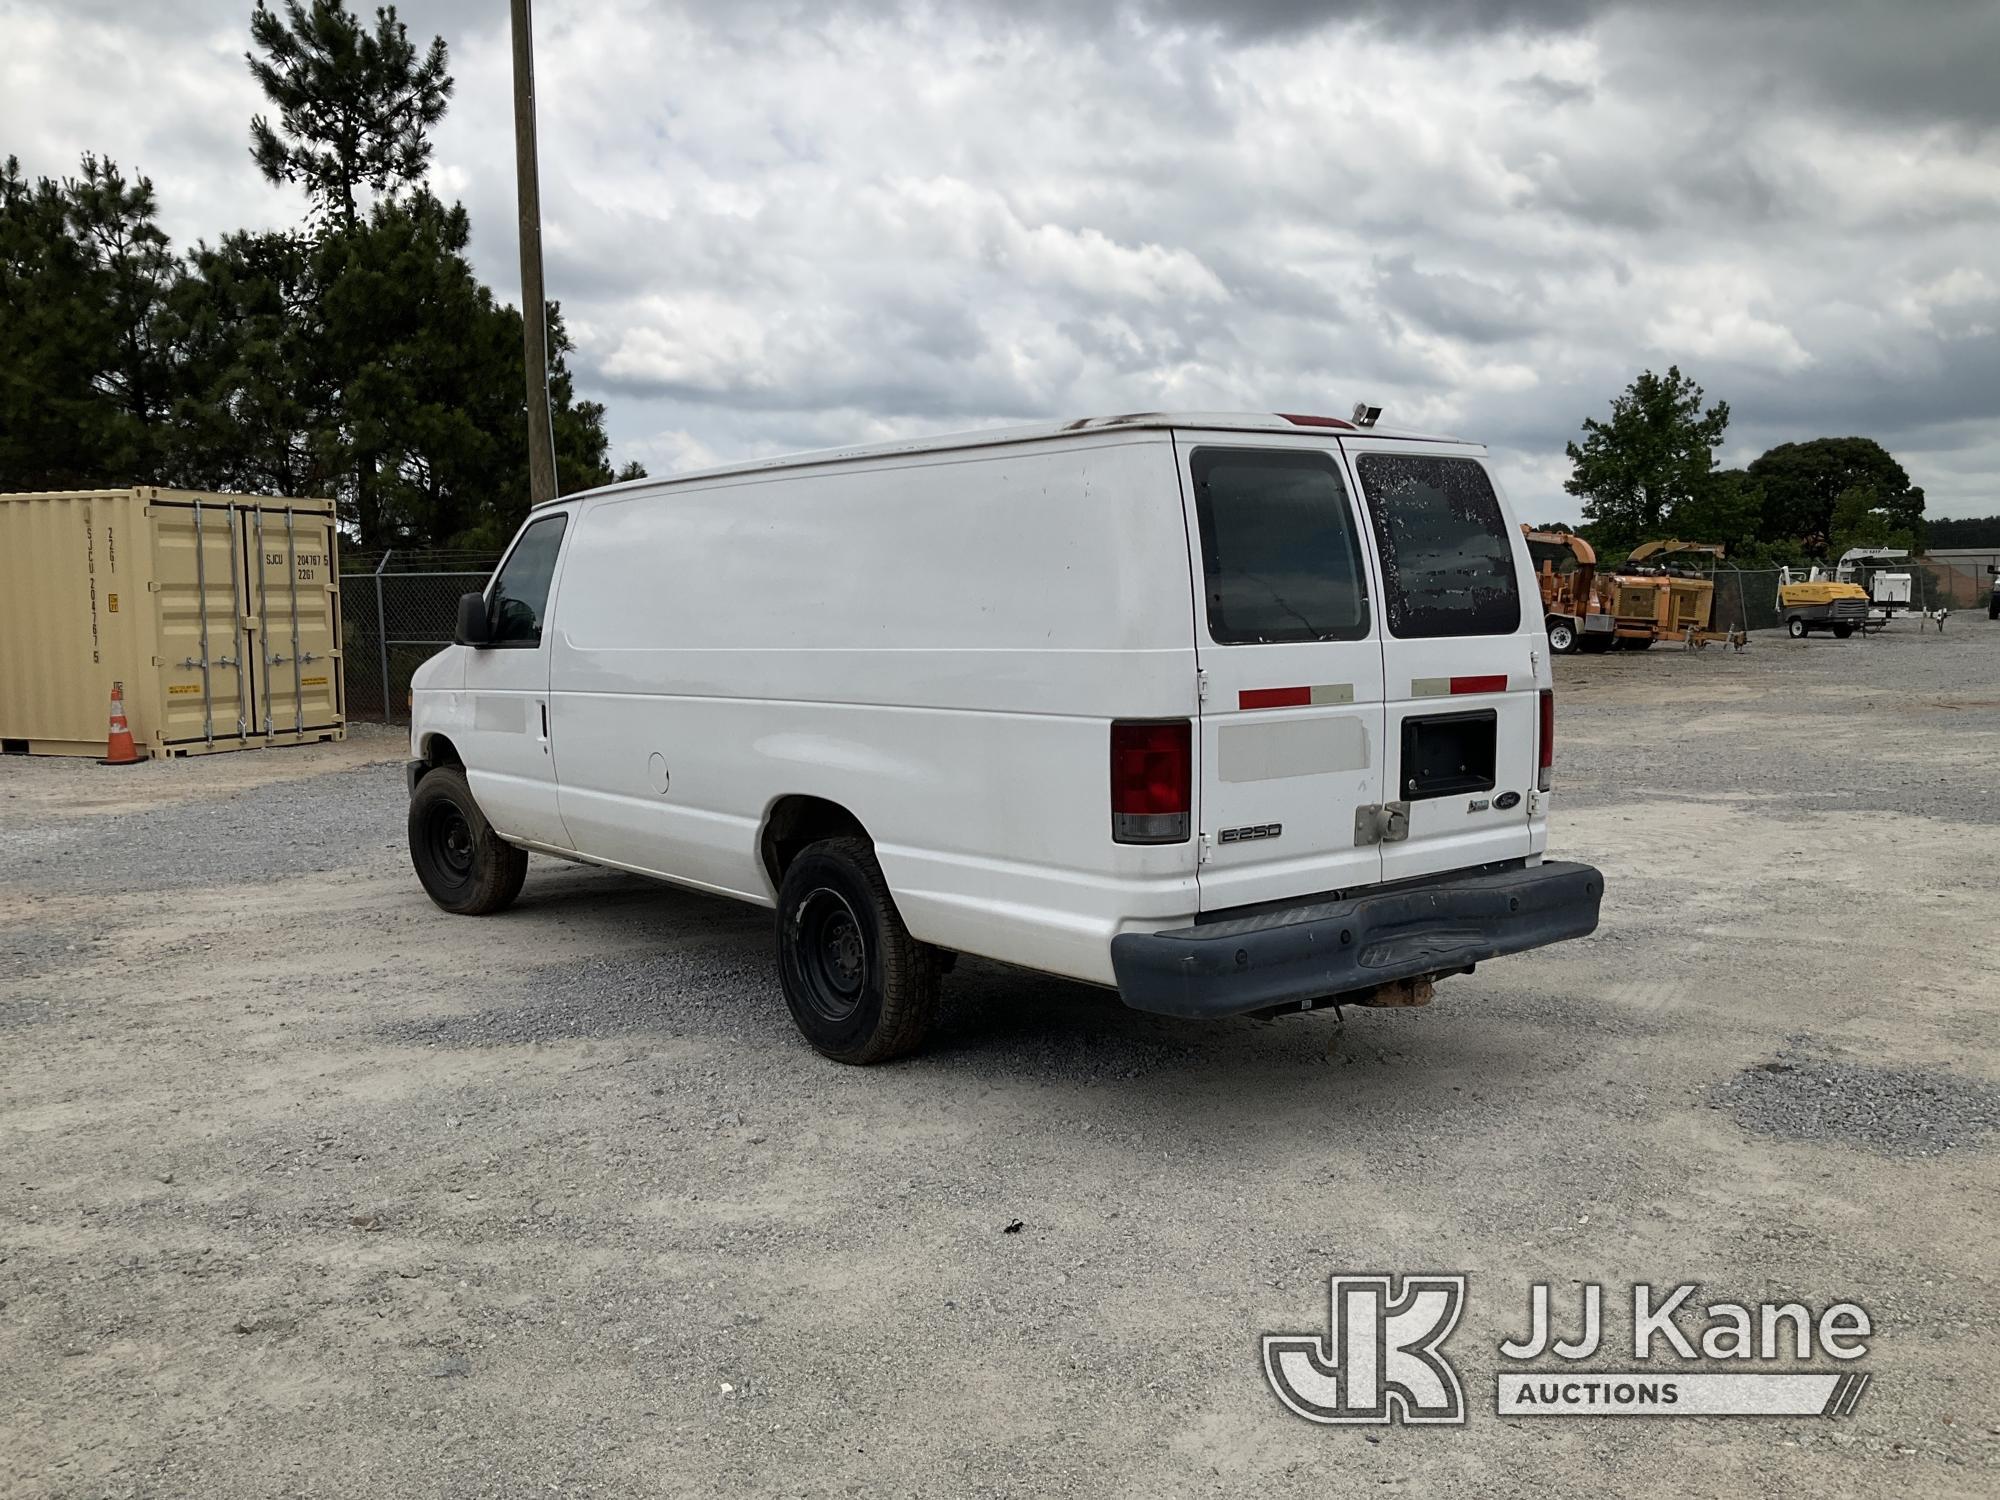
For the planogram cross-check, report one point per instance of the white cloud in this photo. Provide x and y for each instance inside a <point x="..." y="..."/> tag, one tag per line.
<point x="776" y="226"/>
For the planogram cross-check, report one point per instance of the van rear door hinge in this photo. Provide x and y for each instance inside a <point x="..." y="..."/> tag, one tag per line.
<point x="1381" y="823"/>
<point x="1201" y="851"/>
<point x="1201" y="685"/>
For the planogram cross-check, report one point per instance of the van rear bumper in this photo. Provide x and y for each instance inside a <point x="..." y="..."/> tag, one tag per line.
<point x="1325" y="948"/>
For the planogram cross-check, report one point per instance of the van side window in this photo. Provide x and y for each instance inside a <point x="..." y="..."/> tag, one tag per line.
<point x="520" y="594"/>
<point x="1280" y="557"/>
<point x="1447" y="564"/>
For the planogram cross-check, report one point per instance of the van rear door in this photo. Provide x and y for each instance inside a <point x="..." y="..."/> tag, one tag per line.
<point x="1290" y="658"/>
<point x="1463" y="656"/>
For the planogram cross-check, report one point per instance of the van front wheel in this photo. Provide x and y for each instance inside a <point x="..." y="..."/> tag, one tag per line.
<point x="859" y="987"/>
<point x="465" y="866"/>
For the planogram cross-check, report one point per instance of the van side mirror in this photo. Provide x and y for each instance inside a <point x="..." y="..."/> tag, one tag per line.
<point x="475" y="625"/>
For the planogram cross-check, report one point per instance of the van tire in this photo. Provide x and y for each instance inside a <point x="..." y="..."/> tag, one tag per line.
<point x="465" y="866"/>
<point x="859" y="987"/>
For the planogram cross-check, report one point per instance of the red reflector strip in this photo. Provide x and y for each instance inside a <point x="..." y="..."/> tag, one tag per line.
<point x="1285" y="697"/>
<point x="1309" y="421"/>
<point x="1496" y="683"/>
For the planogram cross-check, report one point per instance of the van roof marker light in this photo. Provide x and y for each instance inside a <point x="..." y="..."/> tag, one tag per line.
<point x="1303" y="420"/>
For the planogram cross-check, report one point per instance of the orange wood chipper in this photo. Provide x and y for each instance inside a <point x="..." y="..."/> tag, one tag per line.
<point x="1646" y="599"/>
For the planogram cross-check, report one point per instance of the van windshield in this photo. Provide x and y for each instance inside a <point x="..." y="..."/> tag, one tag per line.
<point x="1281" y="560"/>
<point x="1447" y="564"/>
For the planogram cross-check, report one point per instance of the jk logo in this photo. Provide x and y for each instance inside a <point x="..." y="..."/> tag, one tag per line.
<point x="1380" y="1361"/>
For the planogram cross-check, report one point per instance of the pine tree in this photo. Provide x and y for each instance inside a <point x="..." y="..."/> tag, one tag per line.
<point x="86" y="368"/>
<point x="355" y="107"/>
<point x="253" y="393"/>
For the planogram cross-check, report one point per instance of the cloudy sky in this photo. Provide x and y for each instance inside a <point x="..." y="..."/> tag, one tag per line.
<point x="777" y="224"/>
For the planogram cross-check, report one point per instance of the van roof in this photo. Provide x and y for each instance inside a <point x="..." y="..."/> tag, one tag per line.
<point x="985" y="437"/>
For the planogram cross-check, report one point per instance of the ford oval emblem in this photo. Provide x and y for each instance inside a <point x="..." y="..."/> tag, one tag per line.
<point x="1506" y="800"/>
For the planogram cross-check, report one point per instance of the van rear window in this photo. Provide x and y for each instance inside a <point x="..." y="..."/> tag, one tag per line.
<point x="1447" y="564"/>
<point x="1280" y="557"/>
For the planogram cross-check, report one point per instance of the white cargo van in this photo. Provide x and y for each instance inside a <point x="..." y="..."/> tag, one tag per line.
<point x="1230" y="713"/>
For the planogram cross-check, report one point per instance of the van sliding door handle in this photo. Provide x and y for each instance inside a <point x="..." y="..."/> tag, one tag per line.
<point x="545" y="721"/>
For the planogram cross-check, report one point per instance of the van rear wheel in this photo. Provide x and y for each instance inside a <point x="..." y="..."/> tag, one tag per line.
<point x="465" y="866"/>
<point x="859" y="987"/>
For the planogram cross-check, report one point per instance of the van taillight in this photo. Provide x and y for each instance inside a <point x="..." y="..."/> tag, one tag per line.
<point x="1152" y="781"/>
<point x="1548" y="753"/>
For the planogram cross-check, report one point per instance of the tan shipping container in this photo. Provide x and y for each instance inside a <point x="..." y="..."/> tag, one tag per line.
<point x="220" y="615"/>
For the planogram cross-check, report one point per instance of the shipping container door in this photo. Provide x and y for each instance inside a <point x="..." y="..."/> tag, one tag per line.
<point x="203" y="648"/>
<point x="293" y="610"/>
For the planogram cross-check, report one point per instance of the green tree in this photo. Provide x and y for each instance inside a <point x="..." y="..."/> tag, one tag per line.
<point x="1802" y="483"/>
<point x="136" y="269"/>
<point x="430" y="399"/>
<point x="355" y="106"/>
<point x="1860" y="519"/>
<point x="1962" y="531"/>
<point x="1725" y="507"/>
<point x="416" y="383"/>
<point x="1654" y="454"/>
<point x="360" y="358"/>
<point x="86" y="367"/>
<point x="51" y="344"/>
<point x="253" y="393"/>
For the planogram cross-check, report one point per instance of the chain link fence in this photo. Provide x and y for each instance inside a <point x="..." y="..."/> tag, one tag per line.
<point x="397" y="611"/>
<point x="1957" y="584"/>
<point x="1747" y="598"/>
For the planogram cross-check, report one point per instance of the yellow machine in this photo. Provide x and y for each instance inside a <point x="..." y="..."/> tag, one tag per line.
<point x="1572" y="611"/>
<point x="1812" y="601"/>
<point x="1652" y="600"/>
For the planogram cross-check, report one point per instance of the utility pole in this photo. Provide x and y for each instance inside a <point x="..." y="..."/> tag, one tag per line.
<point x="534" y="310"/>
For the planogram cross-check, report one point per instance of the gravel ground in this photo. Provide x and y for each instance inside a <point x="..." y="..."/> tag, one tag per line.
<point x="311" y="1189"/>
<point x="1800" y="1095"/>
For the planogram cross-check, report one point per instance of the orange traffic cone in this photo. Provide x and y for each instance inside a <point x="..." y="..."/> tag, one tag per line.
<point x="118" y="747"/>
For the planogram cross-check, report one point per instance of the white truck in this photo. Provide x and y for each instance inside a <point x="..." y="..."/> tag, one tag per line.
<point x="1888" y="591"/>
<point x="1231" y="713"/>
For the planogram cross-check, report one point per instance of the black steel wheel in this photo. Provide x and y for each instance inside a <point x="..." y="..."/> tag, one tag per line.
<point x="859" y="987"/>
<point x="465" y="867"/>
<point x="832" y="956"/>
